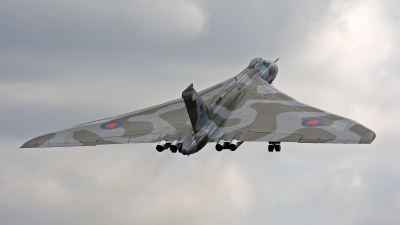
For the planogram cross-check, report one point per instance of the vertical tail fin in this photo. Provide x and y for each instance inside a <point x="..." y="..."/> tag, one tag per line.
<point x="196" y="108"/>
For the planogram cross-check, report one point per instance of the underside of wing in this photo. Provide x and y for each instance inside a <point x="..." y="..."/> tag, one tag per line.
<point x="266" y="114"/>
<point x="168" y="121"/>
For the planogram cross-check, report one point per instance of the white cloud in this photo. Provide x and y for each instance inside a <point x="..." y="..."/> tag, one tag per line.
<point x="357" y="35"/>
<point x="348" y="65"/>
<point x="341" y="57"/>
<point x="150" y="20"/>
<point x="240" y="190"/>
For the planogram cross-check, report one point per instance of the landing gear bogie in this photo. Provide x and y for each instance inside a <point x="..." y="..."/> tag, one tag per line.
<point x="274" y="145"/>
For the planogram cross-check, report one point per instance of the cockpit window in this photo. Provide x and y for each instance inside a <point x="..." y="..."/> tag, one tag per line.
<point x="255" y="62"/>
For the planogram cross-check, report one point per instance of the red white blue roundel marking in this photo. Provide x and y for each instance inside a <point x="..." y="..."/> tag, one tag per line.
<point x="312" y="122"/>
<point x="111" y="125"/>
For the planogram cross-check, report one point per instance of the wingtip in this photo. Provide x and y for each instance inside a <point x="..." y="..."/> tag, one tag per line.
<point x="368" y="138"/>
<point x="26" y="145"/>
<point x="373" y="137"/>
<point x="38" y="141"/>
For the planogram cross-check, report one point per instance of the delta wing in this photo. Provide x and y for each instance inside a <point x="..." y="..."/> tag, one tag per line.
<point x="266" y="114"/>
<point x="168" y="121"/>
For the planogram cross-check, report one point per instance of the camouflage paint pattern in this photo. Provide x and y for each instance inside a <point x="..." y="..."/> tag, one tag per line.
<point x="246" y="108"/>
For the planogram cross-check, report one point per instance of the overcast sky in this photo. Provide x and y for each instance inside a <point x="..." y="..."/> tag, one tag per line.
<point x="67" y="62"/>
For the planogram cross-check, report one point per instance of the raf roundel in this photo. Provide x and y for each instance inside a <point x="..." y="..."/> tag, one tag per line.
<point x="312" y="122"/>
<point x="111" y="125"/>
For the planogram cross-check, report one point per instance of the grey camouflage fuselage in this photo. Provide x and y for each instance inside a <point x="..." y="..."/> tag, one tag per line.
<point x="222" y="107"/>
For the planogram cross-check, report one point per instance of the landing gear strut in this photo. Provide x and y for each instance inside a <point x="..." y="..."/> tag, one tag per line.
<point x="274" y="145"/>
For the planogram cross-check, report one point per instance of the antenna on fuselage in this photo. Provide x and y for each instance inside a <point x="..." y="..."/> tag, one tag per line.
<point x="276" y="60"/>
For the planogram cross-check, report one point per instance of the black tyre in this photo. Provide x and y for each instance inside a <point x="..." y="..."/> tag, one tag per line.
<point x="270" y="148"/>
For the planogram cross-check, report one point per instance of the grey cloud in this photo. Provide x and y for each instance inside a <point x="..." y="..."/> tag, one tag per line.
<point x="63" y="63"/>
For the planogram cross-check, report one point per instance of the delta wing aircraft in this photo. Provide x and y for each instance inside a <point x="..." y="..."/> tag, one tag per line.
<point x="244" y="108"/>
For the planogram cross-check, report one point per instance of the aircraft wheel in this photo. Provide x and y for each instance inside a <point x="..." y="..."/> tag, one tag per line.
<point x="270" y="148"/>
<point x="277" y="148"/>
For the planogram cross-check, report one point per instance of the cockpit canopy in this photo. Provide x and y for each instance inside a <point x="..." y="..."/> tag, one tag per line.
<point x="258" y="61"/>
<point x="255" y="62"/>
<point x="265" y="69"/>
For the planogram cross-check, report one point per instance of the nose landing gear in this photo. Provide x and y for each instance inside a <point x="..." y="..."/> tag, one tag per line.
<point x="274" y="145"/>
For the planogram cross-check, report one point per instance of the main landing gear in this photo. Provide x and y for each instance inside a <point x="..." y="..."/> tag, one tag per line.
<point x="274" y="145"/>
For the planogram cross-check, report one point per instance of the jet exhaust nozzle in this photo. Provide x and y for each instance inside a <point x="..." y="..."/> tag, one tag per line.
<point x="175" y="146"/>
<point x="234" y="144"/>
<point x="161" y="146"/>
<point x="220" y="145"/>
